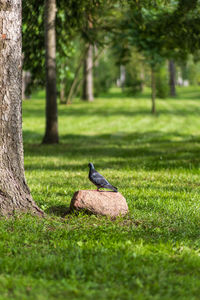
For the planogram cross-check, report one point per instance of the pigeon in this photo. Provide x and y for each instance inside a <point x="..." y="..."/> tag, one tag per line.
<point x="98" y="180"/>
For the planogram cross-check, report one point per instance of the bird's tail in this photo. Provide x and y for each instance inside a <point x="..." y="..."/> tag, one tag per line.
<point x="113" y="188"/>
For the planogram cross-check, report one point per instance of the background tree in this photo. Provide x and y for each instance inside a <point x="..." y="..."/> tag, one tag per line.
<point x="138" y="34"/>
<point x="161" y="30"/>
<point x="87" y="93"/>
<point x="172" y="78"/>
<point x="32" y="39"/>
<point x="51" y="132"/>
<point x="14" y="192"/>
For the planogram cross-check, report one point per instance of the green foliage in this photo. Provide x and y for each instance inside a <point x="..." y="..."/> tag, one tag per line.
<point x="132" y="85"/>
<point x="159" y="29"/>
<point x="33" y="40"/>
<point x="162" y="82"/>
<point x="66" y="66"/>
<point x="105" y="73"/>
<point x="190" y="70"/>
<point x="134" y="72"/>
<point x="72" y="21"/>
<point x="178" y="28"/>
<point x="162" y="29"/>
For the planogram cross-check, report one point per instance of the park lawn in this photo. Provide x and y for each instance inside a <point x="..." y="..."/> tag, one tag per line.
<point x="154" y="252"/>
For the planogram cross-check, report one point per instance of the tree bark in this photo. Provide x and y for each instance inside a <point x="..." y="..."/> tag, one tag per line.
<point x="88" y="76"/>
<point x="153" y="91"/>
<point x="172" y="78"/>
<point x="14" y="192"/>
<point x="51" y="132"/>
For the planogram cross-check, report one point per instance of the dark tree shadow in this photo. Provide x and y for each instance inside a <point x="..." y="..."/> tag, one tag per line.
<point x="59" y="210"/>
<point x="155" y="150"/>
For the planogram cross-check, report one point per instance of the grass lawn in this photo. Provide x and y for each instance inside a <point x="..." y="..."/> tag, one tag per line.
<point x="154" y="252"/>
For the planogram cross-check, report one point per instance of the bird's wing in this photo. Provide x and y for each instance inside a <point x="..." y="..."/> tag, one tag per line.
<point x="99" y="179"/>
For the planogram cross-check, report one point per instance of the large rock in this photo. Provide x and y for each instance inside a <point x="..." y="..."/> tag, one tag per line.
<point x="100" y="203"/>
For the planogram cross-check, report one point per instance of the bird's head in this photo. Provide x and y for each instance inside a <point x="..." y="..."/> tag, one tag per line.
<point x="91" y="166"/>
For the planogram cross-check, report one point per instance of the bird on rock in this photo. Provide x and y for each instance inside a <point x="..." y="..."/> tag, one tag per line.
<point x="98" y="180"/>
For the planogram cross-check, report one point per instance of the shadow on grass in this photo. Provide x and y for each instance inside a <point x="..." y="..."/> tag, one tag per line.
<point x="151" y="151"/>
<point x="188" y="94"/>
<point x="160" y="230"/>
<point x="91" y="111"/>
<point x="63" y="211"/>
<point x="59" y="210"/>
<point x="183" y="93"/>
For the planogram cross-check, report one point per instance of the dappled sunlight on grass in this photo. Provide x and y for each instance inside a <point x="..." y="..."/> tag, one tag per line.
<point x="153" y="252"/>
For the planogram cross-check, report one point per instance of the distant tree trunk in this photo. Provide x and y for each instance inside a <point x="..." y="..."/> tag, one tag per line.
<point x="76" y="85"/>
<point x="172" y="78"/>
<point x="122" y="76"/>
<point x="51" y="133"/>
<point x="88" y="76"/>
<point x="26" y="80"/>
<point x="62" y="87"/>
<point x="96" y="56"/>
<point x="142" y="78"/>
<point x="62" y="92"/>
<point x="153" y="91"/>
<point x="14" y="192"/>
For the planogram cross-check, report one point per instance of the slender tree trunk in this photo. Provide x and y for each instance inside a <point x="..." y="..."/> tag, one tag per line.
<point x="87" y="75"/>
<point x="96" y="55"/>
<point x="62" y="92"/>
<point x="23" y="85"/>
<point x="51" y="133"/>
<point x="142" y="78"/>
<point x="122" y="77"/>
<point x="62" y="87"/>
<point x="153" y="91"/>
<point x="172" y="78"/>
<point x="26" y="80"/>
<point x="14" y="192"/>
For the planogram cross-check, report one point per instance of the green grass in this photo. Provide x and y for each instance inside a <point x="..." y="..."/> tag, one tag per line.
<point x="154" y="252"/>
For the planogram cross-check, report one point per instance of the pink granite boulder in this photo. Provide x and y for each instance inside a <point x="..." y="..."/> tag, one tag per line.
<point x="100" y="203"/>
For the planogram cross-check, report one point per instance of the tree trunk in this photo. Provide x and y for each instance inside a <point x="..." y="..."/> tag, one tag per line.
<point x="172" y="78"/>
<point x="14" y="192"/>
<point x="153" y="91"/>
<point x="62" y="92"/>
<point x="51" y="133"/>
<point x="87" y="75"/>
<point x="26" y="80"/>
<point x="62" y="86"/>
<point x="23" y="85"/>
<point x="122" y="77"/>
<point x="142" y="78"/>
